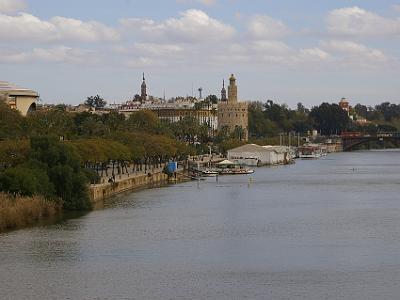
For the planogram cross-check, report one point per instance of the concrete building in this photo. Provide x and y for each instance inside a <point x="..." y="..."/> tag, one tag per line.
<point x="175" y="111"/>
<point x="21" y="99"/>
<point x="231" y="113"/>
<point x="255" y="155"/>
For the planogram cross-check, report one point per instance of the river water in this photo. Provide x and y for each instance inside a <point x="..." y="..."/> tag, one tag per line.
<point x="320" y="229"/>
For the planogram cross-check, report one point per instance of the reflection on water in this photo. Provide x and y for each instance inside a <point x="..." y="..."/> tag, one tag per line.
<point x="321" y="229"/>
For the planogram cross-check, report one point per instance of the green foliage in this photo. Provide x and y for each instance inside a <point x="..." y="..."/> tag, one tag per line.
<point x="95" y="102"/>
<point x="269" y="119"/>
<point x="26" y="181"/>
<point x="143" y="120"/>
<point x="13" y="152"/>
<point x="64" y="171"/>
<point x="330" y="119"/>
<point x="12" y="123"/>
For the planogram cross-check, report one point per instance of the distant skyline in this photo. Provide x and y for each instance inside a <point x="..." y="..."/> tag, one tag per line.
<point x="289" y="51"/>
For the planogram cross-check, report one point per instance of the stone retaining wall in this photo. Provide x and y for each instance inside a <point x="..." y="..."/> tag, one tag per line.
<point x="99" y="192"/>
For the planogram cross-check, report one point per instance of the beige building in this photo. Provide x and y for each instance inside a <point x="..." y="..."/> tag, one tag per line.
<point x="18" y="98"/>
<point x="233" y="114"/>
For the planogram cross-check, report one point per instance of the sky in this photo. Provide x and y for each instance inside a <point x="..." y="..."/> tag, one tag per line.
<point x="288" y="51"/>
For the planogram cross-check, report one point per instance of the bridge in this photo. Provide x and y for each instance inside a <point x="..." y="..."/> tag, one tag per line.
<point x="351" y="140"/>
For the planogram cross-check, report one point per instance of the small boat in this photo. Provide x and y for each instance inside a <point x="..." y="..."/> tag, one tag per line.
<point x="209" y="173"/>
<point x="227" y="167"/>
<point x="236" y="171"/>
<point x="311" y="151"/>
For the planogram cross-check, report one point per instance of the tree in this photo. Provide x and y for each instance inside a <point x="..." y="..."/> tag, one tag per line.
<point x="95" y="102"/>
<point x="330" y="119"/>
<point x="143" y="120"/>
<point x="11" y="122"/>
<point x="213" y="99"/>
<point x="64" y="171"/>
<point x="238" y="133"/>
<point x="259" y="125"/>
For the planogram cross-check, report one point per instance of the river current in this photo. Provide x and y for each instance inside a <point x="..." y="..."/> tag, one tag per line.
<point x="318" y="229"/>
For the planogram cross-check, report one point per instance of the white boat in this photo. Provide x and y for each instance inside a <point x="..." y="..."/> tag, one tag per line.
<point x="311" y="151"/>
<point x="227" y="167"/>
<point x="236" y="171"/>
<point x="209" y="173"/>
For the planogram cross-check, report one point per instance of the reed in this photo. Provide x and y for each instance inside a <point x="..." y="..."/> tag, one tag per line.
<point x="18" y="212"/>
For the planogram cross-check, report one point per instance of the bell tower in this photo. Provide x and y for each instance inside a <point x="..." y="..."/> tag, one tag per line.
<point x="143" y="90"/>
<point x="223" y="91"/>
<point x="232" y="90"/>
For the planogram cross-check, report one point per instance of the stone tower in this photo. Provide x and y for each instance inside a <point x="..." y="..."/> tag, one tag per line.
<point x="232" y="90"/>
<point x="232" y="114"/>
<point x="223" y="92"/>
<point x="143" y="95"/>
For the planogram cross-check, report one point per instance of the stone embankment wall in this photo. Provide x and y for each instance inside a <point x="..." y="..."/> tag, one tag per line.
<point x="99" y="192"/>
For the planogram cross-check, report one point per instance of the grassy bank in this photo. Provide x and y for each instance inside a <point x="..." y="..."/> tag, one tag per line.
<point x="18" y="212"/>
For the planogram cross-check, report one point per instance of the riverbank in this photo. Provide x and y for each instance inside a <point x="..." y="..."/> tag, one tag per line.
<point x="131" y="182"/>
<point x="20" y="212"/>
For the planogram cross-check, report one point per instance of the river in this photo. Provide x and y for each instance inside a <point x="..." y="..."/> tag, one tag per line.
<point x="319" y="229"/>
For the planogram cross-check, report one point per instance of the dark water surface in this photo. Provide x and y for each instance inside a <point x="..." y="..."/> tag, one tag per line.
<point x="322" y="229"/>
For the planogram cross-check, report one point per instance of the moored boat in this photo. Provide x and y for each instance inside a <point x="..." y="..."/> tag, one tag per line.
<point x="209" y="173"/>
<point x="227" y="167"/>
<point x="236" y="172"/>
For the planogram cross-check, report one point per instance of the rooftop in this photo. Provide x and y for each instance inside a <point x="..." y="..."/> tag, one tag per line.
<point x="12" y="89"/>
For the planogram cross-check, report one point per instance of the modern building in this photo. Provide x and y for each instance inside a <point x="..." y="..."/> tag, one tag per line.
<point x="21" y="99"/>
<point x="255" y="155"/>
<point x="233" y="115"/>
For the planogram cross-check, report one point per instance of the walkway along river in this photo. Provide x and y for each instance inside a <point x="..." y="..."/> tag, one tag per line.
<point x="321" y="229"/>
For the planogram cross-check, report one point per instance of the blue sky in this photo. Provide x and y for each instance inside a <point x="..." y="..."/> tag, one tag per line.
<point x="287" y="51"/>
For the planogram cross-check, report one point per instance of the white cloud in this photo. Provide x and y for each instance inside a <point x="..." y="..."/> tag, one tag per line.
<point x="271" y="47"/>
<point x="314" y="55"/>
<point x="12" y="6"/>
<point x="265" y="27"/>
<point x="351" y="53"/>
<point x="28" y="27"/>
<point x="92" y="31"/>
<point x="13" y="57"/>
<point x="194" y="26"/>
<point x="396" y="7"/>
<point x="204" y="2"/>
<point x="60" y="54"/>
<point x="64" y="54"/>
<point x="360" y="22"/>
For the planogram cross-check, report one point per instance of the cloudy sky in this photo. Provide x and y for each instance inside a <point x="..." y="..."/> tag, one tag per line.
<point x="287" y="50"/>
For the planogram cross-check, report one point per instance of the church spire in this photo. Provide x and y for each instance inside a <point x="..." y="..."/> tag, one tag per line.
<point x="143" y="90"/>
<point x="223" y="91"/>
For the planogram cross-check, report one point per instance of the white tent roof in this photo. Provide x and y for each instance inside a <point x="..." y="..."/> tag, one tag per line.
<point x="226" y="162"/>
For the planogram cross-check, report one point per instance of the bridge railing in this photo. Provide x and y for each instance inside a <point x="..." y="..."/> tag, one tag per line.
<point x="352" y="135"/>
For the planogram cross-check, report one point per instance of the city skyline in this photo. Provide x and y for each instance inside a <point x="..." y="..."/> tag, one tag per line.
<point x="288" y="52"/>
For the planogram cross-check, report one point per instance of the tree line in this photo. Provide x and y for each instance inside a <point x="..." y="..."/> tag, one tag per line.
<point x="270" y="119"/>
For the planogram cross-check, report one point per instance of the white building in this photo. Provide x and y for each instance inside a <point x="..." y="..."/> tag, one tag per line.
<point x="255" y="155"/>
<point x="175" y="111"/>
<point x="18" y="98"/>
